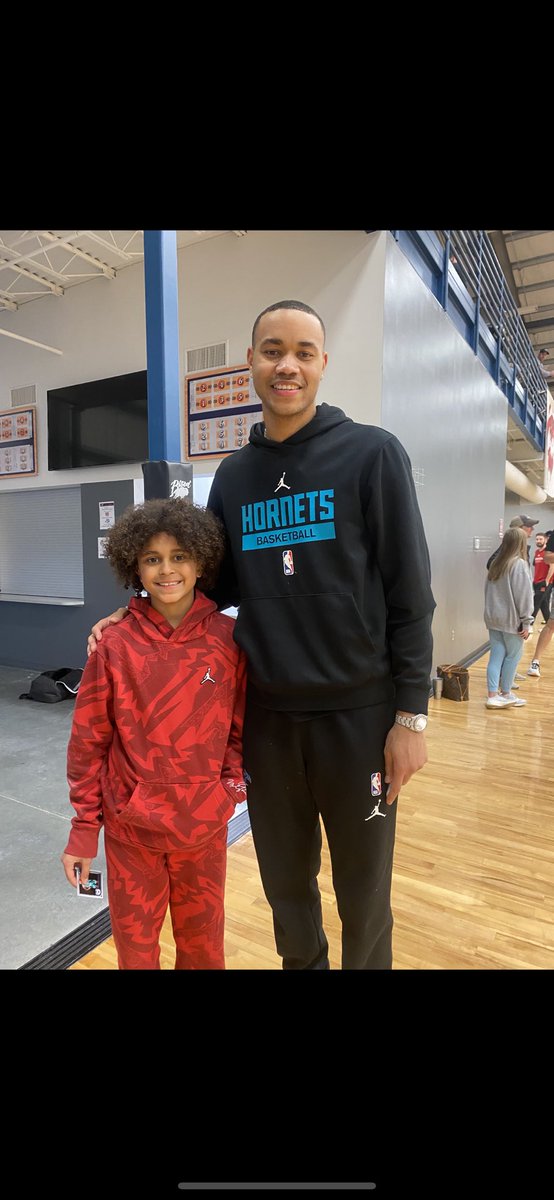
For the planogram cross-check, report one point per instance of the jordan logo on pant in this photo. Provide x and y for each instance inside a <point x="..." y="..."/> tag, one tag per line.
<point x="376" y="811"/>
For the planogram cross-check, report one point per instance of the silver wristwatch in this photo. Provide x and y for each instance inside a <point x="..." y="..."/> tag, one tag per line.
<point x="418" y="723"/>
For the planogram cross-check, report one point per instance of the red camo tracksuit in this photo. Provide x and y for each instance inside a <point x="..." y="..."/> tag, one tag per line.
<point x="155" y="755"/>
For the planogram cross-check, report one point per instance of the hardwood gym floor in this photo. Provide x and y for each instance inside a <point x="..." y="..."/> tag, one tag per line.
<point x="473" y="885"/>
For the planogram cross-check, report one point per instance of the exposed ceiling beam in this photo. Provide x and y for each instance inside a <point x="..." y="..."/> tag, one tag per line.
<point x="516" y="235"/>
<point x="31" y="254"/>
<point x="101" y="266"/>
<point x="93" y="237"/>
<point x="546" y="324"/>
<point x="47" y="283"/>
<point x="536" y="287"/>
<point x="545" y="309"/>
<point x="7" y="301"/>
<point x="521" y="264"/>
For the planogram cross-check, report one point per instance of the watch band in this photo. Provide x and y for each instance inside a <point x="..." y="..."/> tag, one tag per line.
<point x="417" y="722"/>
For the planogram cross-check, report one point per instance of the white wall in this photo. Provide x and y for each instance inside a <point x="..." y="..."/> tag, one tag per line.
<point x="223" y="284"/>
<point x="100" y="327"/>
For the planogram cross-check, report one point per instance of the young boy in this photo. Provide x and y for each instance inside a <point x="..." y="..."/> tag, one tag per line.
<point x="155" y="752"/>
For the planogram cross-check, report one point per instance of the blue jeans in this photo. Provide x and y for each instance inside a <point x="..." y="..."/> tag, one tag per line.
<point x="506" y="651"/>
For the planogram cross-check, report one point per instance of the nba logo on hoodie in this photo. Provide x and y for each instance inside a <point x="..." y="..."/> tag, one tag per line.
<point x="376" y="783"/>
<point x="288" y="562"/>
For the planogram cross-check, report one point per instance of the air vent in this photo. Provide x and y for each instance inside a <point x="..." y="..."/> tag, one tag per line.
<point x="23" y="396"/>
<point x="204" y="357"/>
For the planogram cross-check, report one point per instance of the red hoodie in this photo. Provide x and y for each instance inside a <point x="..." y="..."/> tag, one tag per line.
<point x="155" y="752"/>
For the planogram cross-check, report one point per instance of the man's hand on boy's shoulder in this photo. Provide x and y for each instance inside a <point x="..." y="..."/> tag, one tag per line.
<point x="95" y="634"/>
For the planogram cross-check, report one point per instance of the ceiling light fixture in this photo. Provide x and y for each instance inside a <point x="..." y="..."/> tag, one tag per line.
<point x="30" y="342"/>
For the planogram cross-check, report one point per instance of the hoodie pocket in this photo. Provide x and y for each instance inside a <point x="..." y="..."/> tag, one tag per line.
<point x="176" y="813"/>
<point x="302" y="643"/>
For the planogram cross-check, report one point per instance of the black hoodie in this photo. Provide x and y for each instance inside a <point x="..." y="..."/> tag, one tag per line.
<point x="328" y="561"/>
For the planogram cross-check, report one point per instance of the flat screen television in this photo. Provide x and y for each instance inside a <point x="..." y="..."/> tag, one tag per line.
<point x="99" y="423"/>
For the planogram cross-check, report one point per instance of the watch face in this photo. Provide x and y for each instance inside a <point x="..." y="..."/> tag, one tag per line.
<point x="420" y="724"/>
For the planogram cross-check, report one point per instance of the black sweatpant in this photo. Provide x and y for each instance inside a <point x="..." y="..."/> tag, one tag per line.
<point x="542" y="599"/>
<point x="331" y="765"/>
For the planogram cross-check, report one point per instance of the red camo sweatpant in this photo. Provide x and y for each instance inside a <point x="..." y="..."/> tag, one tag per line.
<point x="141" y="885"/>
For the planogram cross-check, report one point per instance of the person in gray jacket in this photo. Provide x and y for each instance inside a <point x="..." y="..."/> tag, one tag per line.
<point x="508" y="617"/>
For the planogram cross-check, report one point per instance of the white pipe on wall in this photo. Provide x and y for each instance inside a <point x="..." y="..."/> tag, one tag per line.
<point x="517" y="482"/>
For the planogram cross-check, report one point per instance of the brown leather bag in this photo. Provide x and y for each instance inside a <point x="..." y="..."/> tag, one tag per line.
<point x="455" y="682"/>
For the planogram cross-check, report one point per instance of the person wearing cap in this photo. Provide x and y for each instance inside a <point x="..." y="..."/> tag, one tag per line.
<point x="545" y="636"/>
<point x="520" y="522"/>
<point x="542" y="355"/>
<point x="523" y="522"/>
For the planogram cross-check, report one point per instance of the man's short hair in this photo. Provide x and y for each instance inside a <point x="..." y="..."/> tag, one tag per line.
<point x="296" y="304"/>
<point x="544" y="351"/>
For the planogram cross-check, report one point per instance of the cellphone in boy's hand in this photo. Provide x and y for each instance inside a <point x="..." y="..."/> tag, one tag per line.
<point x="93" y="886"/>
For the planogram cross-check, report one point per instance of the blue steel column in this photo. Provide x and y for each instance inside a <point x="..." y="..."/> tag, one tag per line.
<point x="162" y="344"/>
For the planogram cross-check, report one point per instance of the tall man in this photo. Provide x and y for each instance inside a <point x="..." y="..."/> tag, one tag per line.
<point x="333" y="582"/>
<point x="328" y="562"/>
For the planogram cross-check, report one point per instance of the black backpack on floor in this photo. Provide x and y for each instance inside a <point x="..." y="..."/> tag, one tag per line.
<point x="52" y="686"/>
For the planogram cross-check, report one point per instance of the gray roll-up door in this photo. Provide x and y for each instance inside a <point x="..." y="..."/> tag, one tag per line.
<point x="41" y="544"/>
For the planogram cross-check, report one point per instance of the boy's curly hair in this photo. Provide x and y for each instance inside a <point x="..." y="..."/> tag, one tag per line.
<point x="197" y="530"/>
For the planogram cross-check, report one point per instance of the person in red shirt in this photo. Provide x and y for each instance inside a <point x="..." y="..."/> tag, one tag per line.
<point x="155" y="752"/>
<point x="542" y="578"/>
<point x="546" y="634"/>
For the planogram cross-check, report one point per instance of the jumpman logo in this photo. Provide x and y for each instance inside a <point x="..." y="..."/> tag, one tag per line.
<point x="282" y="483"/>
<point x="207" y="677"/>
<point x="376" y="812"/>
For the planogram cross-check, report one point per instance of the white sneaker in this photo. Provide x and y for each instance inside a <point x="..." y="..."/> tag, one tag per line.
<point x="499" y="702"/>
<point x="518" y="676"/>
<point x="513" y="701"/>
<point x="535" y="669"/>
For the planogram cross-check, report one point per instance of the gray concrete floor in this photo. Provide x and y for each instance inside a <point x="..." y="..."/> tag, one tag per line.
<point x="38" y="905"/>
